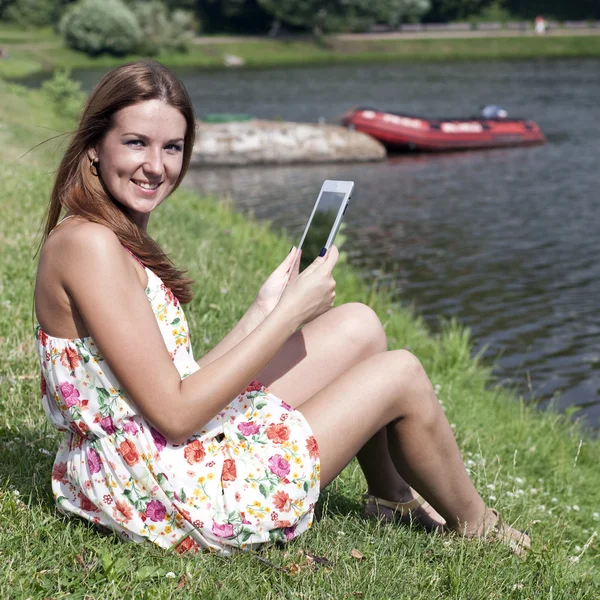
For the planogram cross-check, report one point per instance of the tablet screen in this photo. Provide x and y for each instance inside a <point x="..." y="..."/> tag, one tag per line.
<point x="320" y="226"/>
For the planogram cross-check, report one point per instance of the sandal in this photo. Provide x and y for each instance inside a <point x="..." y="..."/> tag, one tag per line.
<point x="414" y="510"/>
<point x="494" y="529"/>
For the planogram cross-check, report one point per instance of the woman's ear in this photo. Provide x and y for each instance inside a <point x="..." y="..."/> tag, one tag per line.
<point x="92" y="154"/>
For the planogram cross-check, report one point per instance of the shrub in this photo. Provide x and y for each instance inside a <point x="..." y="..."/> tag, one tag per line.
<point x="161" y="30"/>
<point x="32" y="13"/>
<point x="64" y="94"/>
<point x="101" y="27"/>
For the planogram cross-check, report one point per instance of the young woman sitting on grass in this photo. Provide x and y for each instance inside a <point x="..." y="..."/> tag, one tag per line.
<point x="231" y="450"/>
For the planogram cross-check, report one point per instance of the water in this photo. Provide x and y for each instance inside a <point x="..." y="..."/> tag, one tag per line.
<point x="506" y="241"/>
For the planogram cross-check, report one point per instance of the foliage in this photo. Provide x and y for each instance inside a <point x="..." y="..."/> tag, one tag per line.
<point x="321" y="16"/>
<point x="443" y="11"/>
<point x="31" y="13"/>
<point x="64" y="94"/>
<point x="236" y="16"/>
<point x="496" y="12"/>
<point x="161" y="30"/>
<point x="101" y="27"/>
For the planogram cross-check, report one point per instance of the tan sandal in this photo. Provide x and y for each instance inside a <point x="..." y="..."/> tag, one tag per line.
<point x="494" y="529"/>
<point x="388" y="511"/>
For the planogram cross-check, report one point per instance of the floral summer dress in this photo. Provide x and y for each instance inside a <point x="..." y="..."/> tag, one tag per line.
<point x="250" y="476"/>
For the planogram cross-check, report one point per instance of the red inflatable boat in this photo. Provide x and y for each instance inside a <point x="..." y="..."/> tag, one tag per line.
<point x="399" y="132"/>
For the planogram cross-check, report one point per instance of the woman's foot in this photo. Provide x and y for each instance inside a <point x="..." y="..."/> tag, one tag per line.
<point x="491" y="527"/>
<point x="407" y="509"/>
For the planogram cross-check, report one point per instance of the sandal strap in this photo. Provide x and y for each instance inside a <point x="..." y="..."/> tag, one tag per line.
<point x="401" y="507"/>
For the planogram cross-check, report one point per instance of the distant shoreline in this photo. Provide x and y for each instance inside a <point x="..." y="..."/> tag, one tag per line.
<point x="39" y="51"/>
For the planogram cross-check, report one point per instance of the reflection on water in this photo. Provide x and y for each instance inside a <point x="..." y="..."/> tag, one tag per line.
<point x="506" y="241"/>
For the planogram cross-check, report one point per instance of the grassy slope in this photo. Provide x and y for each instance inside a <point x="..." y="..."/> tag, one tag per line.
<point x="42" y="50"/>
<point x="535" y="465"/>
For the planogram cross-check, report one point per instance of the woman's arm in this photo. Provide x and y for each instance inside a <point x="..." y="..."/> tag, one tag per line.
<point x="264" y="304"/>
<point x="101" y="280"/>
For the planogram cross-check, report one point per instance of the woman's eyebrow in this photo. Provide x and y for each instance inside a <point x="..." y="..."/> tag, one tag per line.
<point x="146" y="138"/>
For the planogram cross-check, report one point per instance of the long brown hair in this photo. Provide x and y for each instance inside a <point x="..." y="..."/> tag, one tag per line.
<point x="80" y="192"/>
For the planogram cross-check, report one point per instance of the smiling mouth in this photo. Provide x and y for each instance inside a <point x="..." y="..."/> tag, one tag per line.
<point x="145" y="185"/>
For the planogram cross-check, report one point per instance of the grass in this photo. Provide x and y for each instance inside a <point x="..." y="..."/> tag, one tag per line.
<point x="537" y="468"/>
<point x="42" y="50"/>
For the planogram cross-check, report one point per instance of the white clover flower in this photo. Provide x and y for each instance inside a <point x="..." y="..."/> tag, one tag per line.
<point x="595" y="516"/>
<point x="555" y="500"/>
<point x="517" y="586"/>
<point x="170" y="575"/>
<point x="533" y="491"/>
<point x="575" y="508"/>
<point x="16" y="493"/>
<point x="519" y="480"/>
<point x="542" y="507"/>
<point x="574" y="560"/>
<point x="493" y="498"/>
<point x="577" y="548"/>
<point x="491" y="486"/>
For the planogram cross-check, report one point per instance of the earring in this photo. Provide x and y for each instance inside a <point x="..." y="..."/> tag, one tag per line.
<point x="93" y="171"/>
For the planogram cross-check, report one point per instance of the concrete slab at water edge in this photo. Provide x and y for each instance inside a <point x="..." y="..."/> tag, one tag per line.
<point x="281" y="142"/>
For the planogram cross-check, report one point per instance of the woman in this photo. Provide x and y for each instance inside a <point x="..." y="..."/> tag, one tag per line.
<point x="200" y="454"/>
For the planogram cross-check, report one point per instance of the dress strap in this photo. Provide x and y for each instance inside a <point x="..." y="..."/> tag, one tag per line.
<point x="132" y="254"/>
<point x="61" y="221"/>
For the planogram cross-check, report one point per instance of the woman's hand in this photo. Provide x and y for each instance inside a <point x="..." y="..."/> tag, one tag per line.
<point x="273" y="287"/>
<point x="312" y="292"/>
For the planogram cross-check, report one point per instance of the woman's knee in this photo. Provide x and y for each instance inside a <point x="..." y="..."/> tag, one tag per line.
<point x="360" y="327"/>
<point x="411" y="385"/>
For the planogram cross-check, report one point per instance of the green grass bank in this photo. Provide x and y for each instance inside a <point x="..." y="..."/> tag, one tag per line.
<point x="42" y="50"/>
<point x="537" y="468"/>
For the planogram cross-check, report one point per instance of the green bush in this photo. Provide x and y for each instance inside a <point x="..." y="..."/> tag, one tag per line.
<point x="161" y="30"/>
<point x="31" y="13"/>
<point x="64" y="94"/>
<point x="101" y="27"/>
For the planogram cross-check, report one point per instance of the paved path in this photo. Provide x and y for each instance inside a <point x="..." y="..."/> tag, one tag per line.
<point x="407" y="35"/>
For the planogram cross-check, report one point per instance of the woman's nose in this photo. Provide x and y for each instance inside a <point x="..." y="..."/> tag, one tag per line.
<point x="154" y="162"/>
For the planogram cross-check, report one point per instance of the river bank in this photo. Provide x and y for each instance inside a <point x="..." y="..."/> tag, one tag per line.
<point x="537" y="468"/>
<point x="36" y="51"/>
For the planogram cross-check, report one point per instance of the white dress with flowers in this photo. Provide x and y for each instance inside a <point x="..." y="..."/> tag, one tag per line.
<point x="249" y="477"/>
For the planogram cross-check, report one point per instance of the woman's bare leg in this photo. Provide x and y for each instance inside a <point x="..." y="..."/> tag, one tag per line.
<point x="319" y="354"/>
<point x="423" y="448"/>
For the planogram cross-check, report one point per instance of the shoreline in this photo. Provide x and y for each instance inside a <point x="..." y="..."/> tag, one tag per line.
<point x="36" y="52"/>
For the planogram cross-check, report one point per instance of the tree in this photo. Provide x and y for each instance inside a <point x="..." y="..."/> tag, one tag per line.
<point x="320" y="16"/>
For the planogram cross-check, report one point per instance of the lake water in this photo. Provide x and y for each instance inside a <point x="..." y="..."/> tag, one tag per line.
<point x="506" y="241"/>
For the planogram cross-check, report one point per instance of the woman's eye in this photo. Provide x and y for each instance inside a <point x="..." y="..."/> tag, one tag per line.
<point x="135" y="143"/>
<point x="175" y="147"/>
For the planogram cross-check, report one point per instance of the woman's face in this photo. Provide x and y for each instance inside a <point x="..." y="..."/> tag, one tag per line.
<point x="141" y="156"/>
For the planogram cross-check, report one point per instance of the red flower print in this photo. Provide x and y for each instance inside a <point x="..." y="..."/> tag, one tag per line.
<point x="59" y="471"/>
<point x="274" y="516"/>
<point x="278" y="433"/>
<point x="279" y="465"/>
<point x="312" y="447"/>
<point x="254" y="386"/>
<point x="107" y="499"/>
<point x="70" y="359"/>
<point x="282" y="524"/>
<point x="43" y="385"/>
<point x="281" y="500"/>
<point x="194" y="452"/>
<point x="86" y="504"/>
<point x="42" y="337"/>
<point x="225" y="530"/>
<point x="94" y="462"/>
<point x="122" y="512"/>
<point x="155" y="511"/>
<point x="287" y="406"/>
<point x="244" y="520"/>
<point x="229" y="470"/>
<point x="248" y="428"/>
<point x="129" y="452"/>
<point x="238" y="497"/>
<point x="188" y="545"/>
<point x="131" y="427"/>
